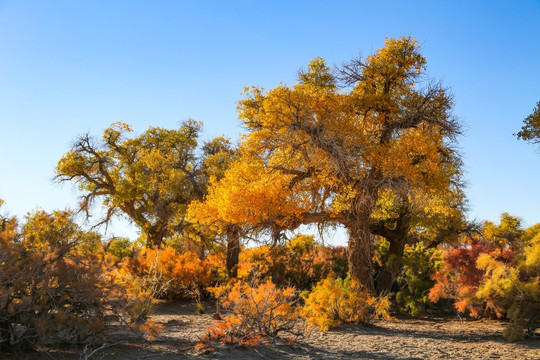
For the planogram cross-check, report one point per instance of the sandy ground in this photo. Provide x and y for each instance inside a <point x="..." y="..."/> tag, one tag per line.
<point x="433" y="338"/>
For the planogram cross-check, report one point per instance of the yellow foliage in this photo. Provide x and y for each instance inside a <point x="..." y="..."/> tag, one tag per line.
<point x="248" y="194"/>
<point x="335" y="301"/>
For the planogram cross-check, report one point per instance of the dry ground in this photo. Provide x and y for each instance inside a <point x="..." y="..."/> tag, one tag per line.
<point x="431" y="338"/>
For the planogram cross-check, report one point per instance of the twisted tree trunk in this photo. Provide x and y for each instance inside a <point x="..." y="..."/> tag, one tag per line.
<point x="233" y="251"/>
<point x="359" y="256"/>
<point x="397" y="239"/>
<point x="360" y="245"/>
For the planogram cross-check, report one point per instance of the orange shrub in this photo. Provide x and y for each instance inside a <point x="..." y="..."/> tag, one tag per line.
<point x="54" y="286"/>
<point x="177" y="275"/>
<point x="259" y="313"/>
<point x="300" y="262"/>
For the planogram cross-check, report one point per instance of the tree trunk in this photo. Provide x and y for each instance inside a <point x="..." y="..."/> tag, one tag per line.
<point x="360" y="250"/>
<point x="155" y="235"/>
<point x="233" y="251"/>
<point x="391" y="266"/>
<point x="5" y="336"/>
<point x="397" y="238"/>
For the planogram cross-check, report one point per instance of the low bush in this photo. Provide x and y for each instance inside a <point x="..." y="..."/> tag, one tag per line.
<point x="459" y="278"/>
<point x="259" y="313"/>
<point x="56" y="285"/>
<point x="514" y="291"/>
<point x="496" y="274"/>
<point x="177" y="275"/>
<point x="300" y="262"/>
<point x="334" y="301"/>
<point x="415" y="279"/>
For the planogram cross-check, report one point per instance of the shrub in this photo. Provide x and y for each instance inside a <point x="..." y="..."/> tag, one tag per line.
<point x="497" y="275"/>
<point x="48" y="291"/>
<point x="300" y="262"/>
<point x="54" y="285"/>
<point x="334" y="301"/>
<point x="514" y="291"/>
<point x="259" y="313"/>
<point x="414" y="280"/>
<point x="459" y="277"/>
<point x="178" y="275"/>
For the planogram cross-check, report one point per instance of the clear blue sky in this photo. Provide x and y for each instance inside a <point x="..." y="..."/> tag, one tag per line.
<point x="70" y="67"/>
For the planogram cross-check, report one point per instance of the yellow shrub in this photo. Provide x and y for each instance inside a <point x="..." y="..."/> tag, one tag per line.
<point x="513" y="290"/>
<point x="300" y="262"/>
<point x="334" y="301"/>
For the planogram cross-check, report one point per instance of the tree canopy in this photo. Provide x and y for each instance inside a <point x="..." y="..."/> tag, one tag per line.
<point x="530" y="131"/>
<point x="336" y="139"/>
<point x="150" y="178"/>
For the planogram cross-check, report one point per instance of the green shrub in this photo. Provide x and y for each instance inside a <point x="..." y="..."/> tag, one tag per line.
<point x="414" y="280"/>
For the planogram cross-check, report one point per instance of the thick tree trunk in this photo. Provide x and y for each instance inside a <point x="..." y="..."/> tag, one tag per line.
<point x="360" y="251"/>
<point x="397" y="238"/>
<point x="155" y="235"/>
<point x="233" y="251"/>
<point x="360" y="237"/>
<point x="391" y="266"/>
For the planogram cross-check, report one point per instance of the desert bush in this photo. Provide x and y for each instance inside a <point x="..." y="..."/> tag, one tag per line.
<point x="49" y="292"/>
<point x="334" y="301"/>
<point x="259" y="313"/>
<point x="513" y="290"/>
<point x="495" y="275"/>
<point x="178" y="275"/>
<point x="300" y="262"/>
<point x="459" y="278"/>
<point x="414" y="280"/>
<point x="54" y="285"/>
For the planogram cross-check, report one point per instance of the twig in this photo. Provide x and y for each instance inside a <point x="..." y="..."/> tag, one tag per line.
<point x="261" y="355"/>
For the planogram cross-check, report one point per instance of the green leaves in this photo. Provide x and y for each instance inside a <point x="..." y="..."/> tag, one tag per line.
<point x="151" y="178"/>
<point x="530" y="131"/>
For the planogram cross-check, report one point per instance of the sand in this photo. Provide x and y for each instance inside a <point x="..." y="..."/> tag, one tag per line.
<point x="426" y="338"/>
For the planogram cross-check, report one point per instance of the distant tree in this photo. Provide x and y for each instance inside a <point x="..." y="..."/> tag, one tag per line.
<point x="3" y="220"/>
<point x="248" y="199"/>
<point x="150" y="178"/>
<point x="530" y="131"/>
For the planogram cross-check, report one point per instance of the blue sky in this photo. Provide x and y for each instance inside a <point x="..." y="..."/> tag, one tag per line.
<point x="70" y="67"/>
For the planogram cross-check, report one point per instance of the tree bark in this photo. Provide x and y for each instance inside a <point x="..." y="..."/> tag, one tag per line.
<point x="397" y="238"/>
<point x="391" y="266"/>
<point x="155" y="235"/>
<point x="360" y="250"/>
<point x="233" y="251"/>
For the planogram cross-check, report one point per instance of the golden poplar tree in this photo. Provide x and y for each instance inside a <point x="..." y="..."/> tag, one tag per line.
<point x="337" y="140"/>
